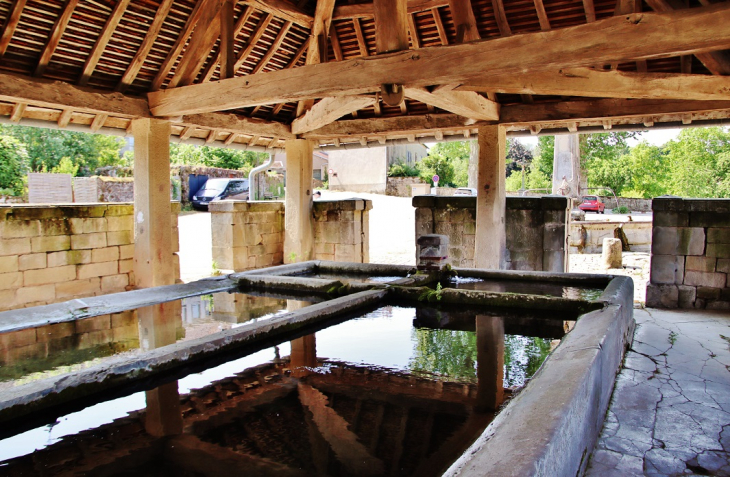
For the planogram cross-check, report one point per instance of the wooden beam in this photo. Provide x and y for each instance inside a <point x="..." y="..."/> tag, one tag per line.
<point x="227" y="37"/>
<point x="501" y="17"/>
<point x="542" y="15"/>
<point x="149" y="40"/>
<point x="204" y="36"/>
<point x="258" y="33"/>
<point x="100" y="45"/>
<point x="17" y="114"/>
<point x="213" y="64"/>
<point x="367" y="10"/>
<point x="608" y="84"/>
<point x="336" y="45"/>
<point x="717" y="62"/>
<point x="361" y="43"/>
<point x="600" y="109"/>
<point x="65" y="118"/>
<point x="413" y="32"/>
<point x="274" y="47"/>
<point x="439" y="26"/>
<point x="465" y="22"/>
<point x="391" y="25"/>
<point x="329" y="110"/>
<point x="284" y="10"/>
<point x="10" y="25"/>
<point x="317" y="44"/>
<point x="645" y="35"/>
<point x="465" y="103"/>
<point x="98" y="122"/>
<point x="56" y="33"/>
<point x="200" y="7"/>
<point x="239" y="124"/>
<point x="399" y="125"/>
<point x="590" y="10"/>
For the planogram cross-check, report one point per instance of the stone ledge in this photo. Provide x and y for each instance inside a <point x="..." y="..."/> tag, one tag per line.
<point x="245" y="206"/>
<point x="679" y="204"/>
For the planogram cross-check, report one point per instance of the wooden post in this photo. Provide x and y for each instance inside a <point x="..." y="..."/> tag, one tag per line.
<point x="490" y="232"/>
<point x="298" y="221"/>
<point x="490" y="362"/>
<point x="153" y="261"/>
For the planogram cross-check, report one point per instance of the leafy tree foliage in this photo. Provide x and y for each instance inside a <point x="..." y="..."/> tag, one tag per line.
<point x="13" y="165"/>
<point x="186" y="154"/>
<point x="457" y="154"/>
<point x="698" y="160"/>
<point x="436" y="164"/>
<point x="401" y="169"/>
<point x="47" y="147"/>
<point x="517" y="156"/>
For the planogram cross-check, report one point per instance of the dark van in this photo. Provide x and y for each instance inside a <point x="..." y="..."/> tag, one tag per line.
<point x="219" y="189"/>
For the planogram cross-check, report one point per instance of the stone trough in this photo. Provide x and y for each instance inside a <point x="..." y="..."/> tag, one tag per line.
<point x="548" y="427"/>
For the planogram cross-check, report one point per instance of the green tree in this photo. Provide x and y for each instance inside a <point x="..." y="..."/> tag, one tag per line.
<point x="13" y="165"/>
<point x="698" y="162"/>
<point x="457" y="154"/>
<point x="436" y="164"/>
<point x="649" y="172"/>
<point x="66" y="166"/>
<point x="186" y="154"/>
<point x="601" y="158"/>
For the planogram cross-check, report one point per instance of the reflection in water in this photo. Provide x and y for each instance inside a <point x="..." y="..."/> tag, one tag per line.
<point x="526" y="287"/>
<point x="364" y="397"/>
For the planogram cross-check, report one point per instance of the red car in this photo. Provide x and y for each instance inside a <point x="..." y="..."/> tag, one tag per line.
<point x="591" y="202"/>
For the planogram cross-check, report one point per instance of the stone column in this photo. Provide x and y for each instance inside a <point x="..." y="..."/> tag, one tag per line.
<point x="490" y="232"/>
<point x="566" y="165"/>
<point x="490" y="362"/>
<point x="153" y="260"/>
<point x="298" y="221"/>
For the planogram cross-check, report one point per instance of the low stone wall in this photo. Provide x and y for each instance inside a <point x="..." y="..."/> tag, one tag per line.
<point x="634" y="205"/>
<point x="401" y="186"/>
<point x="587" y="236"/>
<point x="690" y="254"/>
<point x="342" y="230"/>
<point x="250" y="235"/>
<point x="57" y="253"/>
<point x="103" y="189"/>
<point x="536" y="229"/>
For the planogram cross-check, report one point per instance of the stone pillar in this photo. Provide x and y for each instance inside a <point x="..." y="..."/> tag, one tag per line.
<point x="490" y="362"/>
<point x="303" y="356"/>
<point x="153" y="260"/>
<point x="298" y="221"/>
<point x="164" y="416"/>
<point x="473" y="164"/>
<point x="566" y="165"/>
<point x="490" y="232"/>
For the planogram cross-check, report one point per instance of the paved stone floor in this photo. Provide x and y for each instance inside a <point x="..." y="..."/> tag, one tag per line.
<point x="670" y="411"/>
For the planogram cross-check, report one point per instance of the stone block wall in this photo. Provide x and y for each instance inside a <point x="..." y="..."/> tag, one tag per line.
<point x="690" y="254"/>
<point x="50" y="254"/>
<point x="401" y="186"/>
<point x="250" y="235"/>
<point x="536" y="229"/>
<point x="342" y="230"/>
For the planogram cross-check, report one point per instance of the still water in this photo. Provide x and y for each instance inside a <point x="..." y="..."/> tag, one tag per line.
<point x="378" y="394"/>
<point x="526" y="287"/>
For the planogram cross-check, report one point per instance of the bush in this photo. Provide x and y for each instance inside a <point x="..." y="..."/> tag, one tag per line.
<point x="400" y="169"/>
<point x="621" y="210"/>
<point x="13" y="165"/>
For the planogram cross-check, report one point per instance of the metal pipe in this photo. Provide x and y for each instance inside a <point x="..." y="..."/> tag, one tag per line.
<point x="251" y="177"/>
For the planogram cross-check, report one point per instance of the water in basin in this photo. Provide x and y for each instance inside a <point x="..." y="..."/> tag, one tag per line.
<point x="527" y="287"/>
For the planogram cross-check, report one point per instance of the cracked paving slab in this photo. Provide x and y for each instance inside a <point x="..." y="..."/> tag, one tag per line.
<point x="670" y="410"/>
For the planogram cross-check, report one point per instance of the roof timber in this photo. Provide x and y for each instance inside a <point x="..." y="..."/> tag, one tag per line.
<point x="615" y="39"/>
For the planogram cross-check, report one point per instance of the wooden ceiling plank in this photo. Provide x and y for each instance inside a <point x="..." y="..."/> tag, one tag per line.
<point x="59" y="27"/>
<point x="274" y="48"/>
<point x="10" y="25"/>
<point x="717" y="62"/>
<point x="607" y="84"/>
<point x="149" y="40"/>
<point x="413" y="32"/>
<point x="329" y="110"/>
<point x="200" y="7"/>
<point x="100" y="45"/>
<point x="360" y="37"/>
<point x="501" y="17"/>
<point x="284" y="10"/>
<point x="210" y="68"/>
<point x="226" y="55"/>
<point x="471" y="105"/>
<point x="205" y="34"/>
<point x="17" y="114"/>
<point x="464" y="20"/>
<point x="366" y="10"/>
<point x="612" y="39"/>
<point x="251" y="44"/>
<point x="439" y="26"/>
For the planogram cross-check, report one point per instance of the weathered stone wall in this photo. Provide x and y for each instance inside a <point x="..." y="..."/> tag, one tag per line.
<point x="690" y="254"/>
<point x="587" y="236"/>
<point x="50" y="254"/>
<point x="342" y="230"/>
<point x="401" y="186"/>
<point x="113" y="189"/>
<point x="249" y="235"/>
<point x="634" y="205"/>
<point x="536" y="229"/>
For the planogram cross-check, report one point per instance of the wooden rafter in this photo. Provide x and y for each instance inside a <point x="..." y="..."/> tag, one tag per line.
<point x="501" y="17"/>
<point x="251" y="44"/>
<point x="228" y="35"/>
<point x="612" y="39"/>
<point x="283" y="10"/>
<point x="590" y="10"/>
<point x="149" y="40"/>
<point x="464" y="103"/>
<point x="10" y="25"/>
<point x="56" y="33"/>
<point x="317" y="44"/>
<point x="213" y="64"/>
<point x="329" y="110"/>
<point x="413" y="32"/>
<point x="274" y="48"/>
<point x="17" y="114"/>
<point x="542" y="15"/>
<point x="64" y="118"/>
<point x="98" y="122"/>
<point x="464" y="20"/>
<point x="102" y="41"/>
<point x="177" y="48"/>
<point x="336" y="45"/>
<point x="360" y="37"/>
<point x="439" y="26"/>
<point x="607" y="84"/>
<point x="391" y="26"/>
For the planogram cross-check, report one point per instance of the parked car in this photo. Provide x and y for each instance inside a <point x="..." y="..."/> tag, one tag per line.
<point x="591" y="202"/>
<point x="219" y="189"/>
<point x="465" y="191"/>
